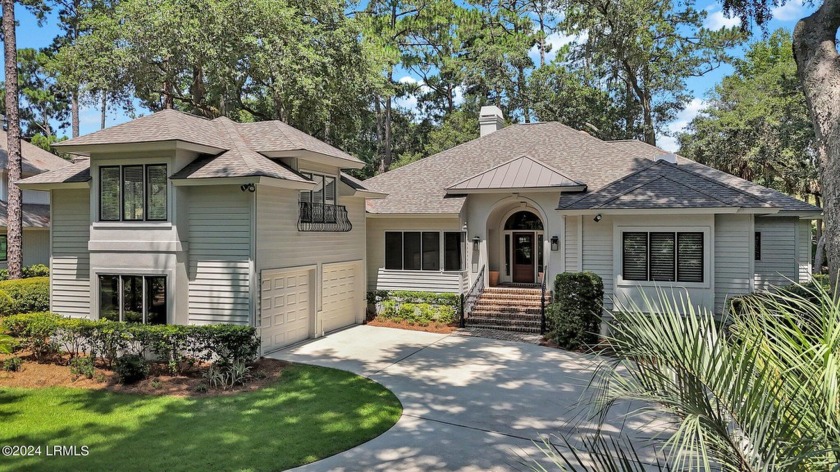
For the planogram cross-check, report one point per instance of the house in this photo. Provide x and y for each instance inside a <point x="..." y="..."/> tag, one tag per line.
<point x="35" y="205"/>
<point x="529" y="201"/>
<point x="180" y="219"/>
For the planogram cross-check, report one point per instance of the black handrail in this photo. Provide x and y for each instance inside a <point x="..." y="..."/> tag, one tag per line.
<point x="542" y="305"/>
<point x="469" y="299"/>
<point x="323" y="217"/>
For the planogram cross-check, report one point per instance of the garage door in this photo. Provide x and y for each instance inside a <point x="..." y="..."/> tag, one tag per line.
<point x="285" y="310"/>
<point x="340" y="295"/>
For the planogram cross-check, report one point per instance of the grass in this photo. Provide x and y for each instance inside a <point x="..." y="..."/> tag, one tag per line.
<point x="309" y="414"/>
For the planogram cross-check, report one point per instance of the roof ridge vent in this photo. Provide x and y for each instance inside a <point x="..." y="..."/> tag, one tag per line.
<point x="670" y="158"/>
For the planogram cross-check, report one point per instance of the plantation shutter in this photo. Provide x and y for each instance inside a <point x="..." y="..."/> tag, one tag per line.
<point x="690" y="257"/>
<point x="662" y="257"/>
<point x="156" y="192"/>
<point x="634" y="258"/>
<point x="109" y="194"/>
<point x="133" y="192"/>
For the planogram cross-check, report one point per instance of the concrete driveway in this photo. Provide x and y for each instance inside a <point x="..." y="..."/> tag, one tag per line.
<point x="468" y="403"/>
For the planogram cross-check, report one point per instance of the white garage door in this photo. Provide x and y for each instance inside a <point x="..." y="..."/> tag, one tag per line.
<point x="285" y="310"/>
<point x="341" y="297"/>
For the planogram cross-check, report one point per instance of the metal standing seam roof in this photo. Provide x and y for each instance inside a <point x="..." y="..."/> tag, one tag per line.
<point x="521" y="172"/>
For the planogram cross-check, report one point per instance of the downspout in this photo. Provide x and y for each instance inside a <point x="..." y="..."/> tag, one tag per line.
<point x="252" y="283"/>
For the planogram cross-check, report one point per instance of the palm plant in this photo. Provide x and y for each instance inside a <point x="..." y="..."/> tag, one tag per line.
<point x="758" y="392"/>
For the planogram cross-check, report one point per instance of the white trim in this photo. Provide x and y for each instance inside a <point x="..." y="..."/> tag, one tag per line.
<point x="170" y="288"/>
<point x="171" y="144"/>
<point x="708" y="247"/>
<point x="267" y="181"/>
<point x="554" y="189"/>
<point x="441" y="248"/>
<point x="317" y="157"/>
<point x="412" y="215"/>
<point x="54" y="185"/>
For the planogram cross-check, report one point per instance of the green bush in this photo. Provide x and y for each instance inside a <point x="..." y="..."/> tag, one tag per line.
<point x="810" y="291"/>
<point x="131" y="368"/>
<point x="12" y="364"/>
<point x="36" y="270"/>
<point x="34" y="332"/>
<point x="7" y="305"/>
<point x="573" y="318"/>
<point x="28" y="295"/>
<point x="420" y="308"/>
<point x="82" y="367"/>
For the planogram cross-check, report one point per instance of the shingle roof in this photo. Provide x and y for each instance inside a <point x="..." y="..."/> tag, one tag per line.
<point x="420" y="187"/>
<point x="173" y="125"/>
<point x="35" y="159"/>
<point x="34" y="215"/>
<point x="520" y="173"/>
<point x="773" y="197"/>
<point x="76" y="172"/>
<point x="165" y="125"/>
<point x="239" y="161"/>
<point x="664" y="185"/>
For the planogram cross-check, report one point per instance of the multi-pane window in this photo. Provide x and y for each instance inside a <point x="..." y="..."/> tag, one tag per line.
<point x="320" y="201"/>
<point x="424" y="250"/>
<point x="662" y="256"/>
<point x="132" y="193"/>
<point x="133" y="298"/>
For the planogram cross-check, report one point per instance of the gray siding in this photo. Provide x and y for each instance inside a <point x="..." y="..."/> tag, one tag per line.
<point x="70" y="282"/>
<point x="425" y="281"/>
<point x="219" y="255"/>
<point x="36" y="247"/>
<point x="732" y="256"/>
<point x="598" y="253"/>
<point x="571" y="243"/>
<point x="804" y="248"/>
<point x="778" y="265"/>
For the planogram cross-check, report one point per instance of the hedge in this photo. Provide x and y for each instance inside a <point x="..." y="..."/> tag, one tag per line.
<point x="178" y="345"/>
<point x="421" y="308"/>
<point x="27" y="295"/>
<point x="573" y="317"/>
<point x="35" y="270"/>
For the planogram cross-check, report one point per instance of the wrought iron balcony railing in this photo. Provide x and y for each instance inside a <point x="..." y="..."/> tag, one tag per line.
<point x="322" y="217"/>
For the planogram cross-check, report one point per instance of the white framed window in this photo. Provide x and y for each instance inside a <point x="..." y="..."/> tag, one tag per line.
<point x="663" y="256"/>
<point x="425" y="250"/>
<point x="133" y="193"/>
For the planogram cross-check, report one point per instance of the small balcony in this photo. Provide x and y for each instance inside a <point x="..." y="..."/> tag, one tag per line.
<point x="323" y="217"/>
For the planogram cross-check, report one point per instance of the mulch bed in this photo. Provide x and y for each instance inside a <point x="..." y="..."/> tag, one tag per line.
<point x="430" y="328"/>
<point x="56" y="373"/>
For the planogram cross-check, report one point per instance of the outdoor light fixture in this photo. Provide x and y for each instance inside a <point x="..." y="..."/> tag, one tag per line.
<point x="476" y="242"/>
<point x="249" y="187"/>
<point x="598" y="217"/>
<point x="555" y="243"/>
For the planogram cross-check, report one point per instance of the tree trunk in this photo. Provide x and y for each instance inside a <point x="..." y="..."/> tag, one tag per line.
<point x="819" y="257"/>
<point x="818" y="65"/>
<point x="650" y="132"/>
<point x="74" y="113"/>
<point x="388" y="157"/>
<point x="14" y="229"/>
<point x="103" y="110"/>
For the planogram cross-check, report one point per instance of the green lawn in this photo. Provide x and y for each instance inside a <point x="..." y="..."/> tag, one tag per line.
<point x="309" y="414"/>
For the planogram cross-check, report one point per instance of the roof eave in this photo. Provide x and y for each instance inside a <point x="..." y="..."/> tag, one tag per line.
<point x="668" y="211"/>
<point x="550" y="189"/>
<point x="413" y="215"/>
<point x="801" y="214"/>
<point x="317" y="157"/>
<point x="144" y="146"/>
<point x="46" y="186"/>
<point x="256" y="180"/>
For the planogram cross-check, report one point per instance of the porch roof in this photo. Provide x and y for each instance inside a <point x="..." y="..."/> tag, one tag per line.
<point x="517" y="174"/>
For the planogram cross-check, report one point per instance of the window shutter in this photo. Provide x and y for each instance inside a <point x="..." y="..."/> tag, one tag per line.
<point x="690" y="257"/>
<point x="634" y="259"/>
<point x="662" y="257"/>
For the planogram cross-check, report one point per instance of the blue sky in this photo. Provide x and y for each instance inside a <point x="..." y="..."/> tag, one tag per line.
<point x="31" y="35"/>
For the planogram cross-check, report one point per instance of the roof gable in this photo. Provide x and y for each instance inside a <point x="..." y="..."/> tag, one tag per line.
<point x="520" y="173"/>
<point x="35" y="159"/>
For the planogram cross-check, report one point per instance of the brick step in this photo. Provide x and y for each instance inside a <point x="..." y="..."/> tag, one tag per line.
<point x="511" y="296"/>
<point x="509" y="303"/>
<point x="520" y="291"/>
<point x="508" y="310"/>
<point x="496" y="321"/>
<point x="517" y="329"/>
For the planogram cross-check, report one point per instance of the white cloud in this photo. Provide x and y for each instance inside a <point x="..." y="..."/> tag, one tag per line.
<point x="717" y="20"/>
<point x="556" y="41"/>
<point x="792" y="10"/>
<point x="684" y="117"/>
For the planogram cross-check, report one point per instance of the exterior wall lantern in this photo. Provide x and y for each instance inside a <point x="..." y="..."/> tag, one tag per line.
<point x="555" y="243"/>
<point x="476" y="241"/>
<point x="597" y="218"/>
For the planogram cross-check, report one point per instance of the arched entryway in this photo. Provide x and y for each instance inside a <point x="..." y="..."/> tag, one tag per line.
<point x="522" y="247"/>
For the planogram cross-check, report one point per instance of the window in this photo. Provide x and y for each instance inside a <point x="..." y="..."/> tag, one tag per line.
<point x="133" y="298"/>
<point x="758" y="245"/>
<point x="132" y="193"/>
<point x="662" y="256"/>
<point x="321" y="199"/>
<point x="4" y="247"/>
<point x="424" y="250"/>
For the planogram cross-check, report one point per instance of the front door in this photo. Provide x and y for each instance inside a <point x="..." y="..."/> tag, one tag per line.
<point x="523" y="258"/>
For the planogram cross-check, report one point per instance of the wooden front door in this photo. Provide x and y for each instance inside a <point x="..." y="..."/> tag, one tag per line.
<point x="524" y="258"/>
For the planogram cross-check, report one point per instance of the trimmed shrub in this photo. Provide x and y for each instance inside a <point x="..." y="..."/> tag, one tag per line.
<point x="12" y="364"/>
<point x="6" y="304"/>
<point x="34" y="332"/>
<point x="82" y="367"/>
<point x="28" y="295"/>
<point x="36" y="270"/>
<point x="573" y="317"/>
<point x="131" y="369"/>
<point x="422" y="308"/>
